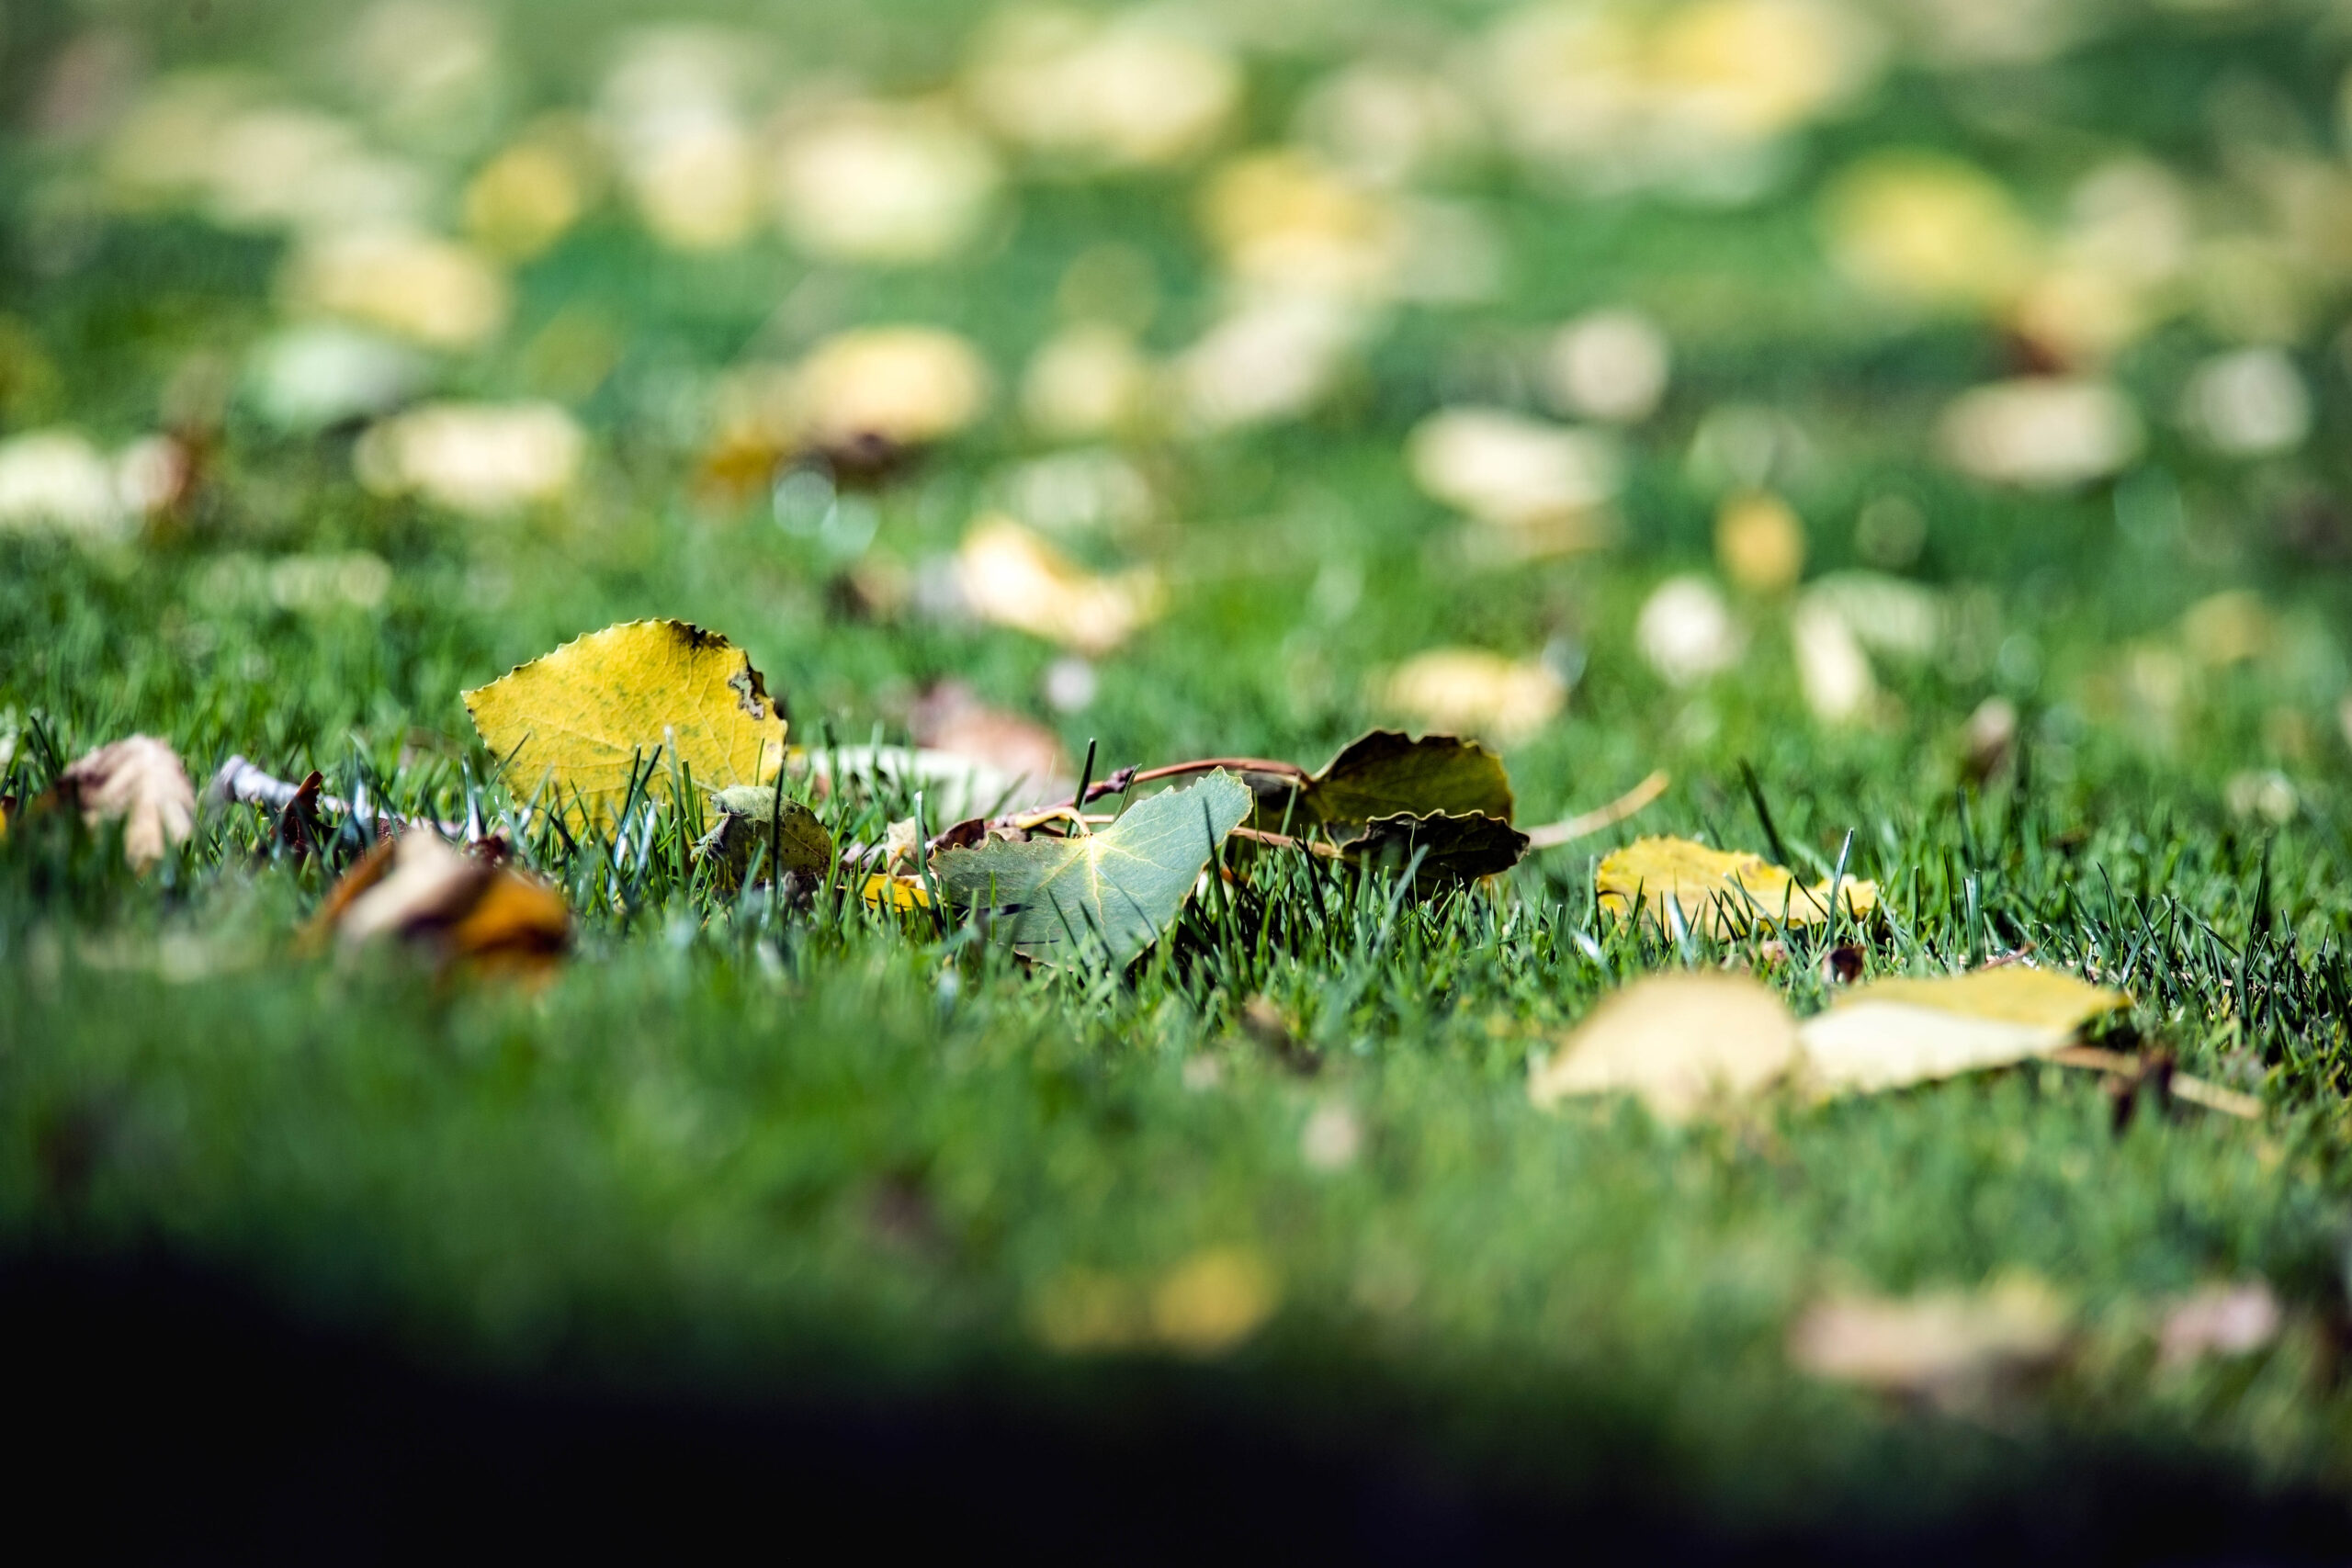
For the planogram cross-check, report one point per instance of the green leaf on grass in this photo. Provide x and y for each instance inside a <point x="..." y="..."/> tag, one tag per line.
<point x="749" y="819"/>
<point x="1389" y="773"/>
<point x="1453" y="847"/>
<point x="1117" y="889"/>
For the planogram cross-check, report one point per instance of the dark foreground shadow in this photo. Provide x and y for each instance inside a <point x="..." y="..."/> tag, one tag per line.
<point x="162" y="1413"/>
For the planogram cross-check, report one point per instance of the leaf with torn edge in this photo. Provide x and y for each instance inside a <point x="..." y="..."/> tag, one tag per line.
<point x="138" y="782"/>
<point x="421" y="889"/>
<point x="1719" y="891"/>
<point x="1117" y="889"/>
<point x="1677" y="1041"/>
<point x="1452" y="848"/>
<point x="750" y="819"/>
<point x="1890" y="1033"/>
<point x="629" y="700"/>
<point x="1387" y="773"/>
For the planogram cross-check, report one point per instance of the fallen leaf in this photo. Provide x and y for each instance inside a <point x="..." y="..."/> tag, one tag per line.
<point x="895" y="892"/>
<point x="1009" y="576"/>
<point x="751" y="817"/>
<point x="1675" y="1041"/>
<point x="1893" y="1032"/>
<point x="2218" y="1320"/>
<point x="644" y="694"/>
<point x="1949" y="1347"/>
<point x="420" y="888"/>
<point x="1213" y="1301"/>
<point x="955" y="786"/>
<point x="1384" y="773"/>
<point x="1471" y="689"/>
<point x="1121" y="887"/>
<point x="1452" y="848"/>
<point x="139" y="782"/>
<point x="1720" y="892"/>
<point x="950" y="718"/>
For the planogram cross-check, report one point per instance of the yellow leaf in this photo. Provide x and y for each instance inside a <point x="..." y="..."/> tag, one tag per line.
<point x="895" y="892"/>
<point x="646" y="693"/>
<point x="1675" y="1040"/>
<point x="1010" y="576"/>
<point x="1719" y="891"/>
<point x="1895" y="1032"/>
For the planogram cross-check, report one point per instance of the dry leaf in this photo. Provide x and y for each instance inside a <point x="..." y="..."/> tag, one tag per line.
<point x="2218" y="1320"/>
<point x="1009" y="576"/>
<point x="1949" y="1347"/>
<point x="1895" y="1033"/>
<point x="139" y="782"/>
<point x="1384" y="773"/>
<point x="949" y="717"/>
<point x="895" y="892"/>
<point x="1513" y="471"/>
<point x="642" y="694"/>
<point x="1137" y="89"/>
<point x="897" y="386"/>
<point x="1475" y="692"/>
<point x="750" y="819"/>
<point x="2040" y="432"/>
<point x="898" y="183"/>
<point x="1675" y="1041"/>
<point x="1719" y="891"/>
<point x="1453" y="847"/>
<point x="421" y="888"/>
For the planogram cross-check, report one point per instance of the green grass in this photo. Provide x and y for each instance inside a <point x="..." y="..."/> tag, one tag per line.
<point x="740" y="1142"/>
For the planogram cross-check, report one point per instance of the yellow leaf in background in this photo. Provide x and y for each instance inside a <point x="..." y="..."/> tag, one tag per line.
<point x="1892" y="1033"/>
<point x="895" y="892"/>
<point x="1473" y="692"/>
<point x="1675" y="1041"/>
<point x="1719" y="891"/>
<point x="1947" y="1347"/>
<point x="645" y="693"/>
<point x="139" y="782"/>
<point x="1010" y="576"/>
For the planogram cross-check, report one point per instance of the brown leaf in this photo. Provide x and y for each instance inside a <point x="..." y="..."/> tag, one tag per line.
<point x="950" y="718"/>
<point x="420" y="888"/>
<point x="139" y="782"/>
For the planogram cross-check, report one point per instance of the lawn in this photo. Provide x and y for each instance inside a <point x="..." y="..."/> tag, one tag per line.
<point x="1917" y="431"/>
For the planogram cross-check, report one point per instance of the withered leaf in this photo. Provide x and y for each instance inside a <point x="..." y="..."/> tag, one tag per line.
<point x="422" y="889"/>
<point x="1454" y="848"/>
<point x="1386" y="773"/>
<point x="1895" y="1033"/>
<point x="138" y="782"/>
<point x="751" y="817"/>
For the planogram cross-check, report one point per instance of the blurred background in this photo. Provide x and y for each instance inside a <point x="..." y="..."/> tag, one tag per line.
<point x="1812" y="379"/>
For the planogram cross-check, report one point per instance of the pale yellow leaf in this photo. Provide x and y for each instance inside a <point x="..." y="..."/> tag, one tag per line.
<point x="1946" y="1346"/>
<point x="646" y="693"/>
<point x="139" y="782"/>
<point x="1008" y="575"/>
<point x="1895" y="1033"/>
<point x="895" y="892"/>
<point x="1719" y="891"/>
<point x="1675" y="1041"/>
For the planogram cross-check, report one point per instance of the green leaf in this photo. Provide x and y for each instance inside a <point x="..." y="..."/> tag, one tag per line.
<point x="1389" y="773"/>
<point x="1454" y="847"/>
<point x="1117" y="889"/>
<point x="750" y="820"/>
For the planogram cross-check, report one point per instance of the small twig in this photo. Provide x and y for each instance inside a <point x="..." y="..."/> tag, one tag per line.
<point x="2197" y="1091"/>
<point x="1284" y="841"/>
<point x="1633" y="800"/>
<point x="240" y="782"/>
